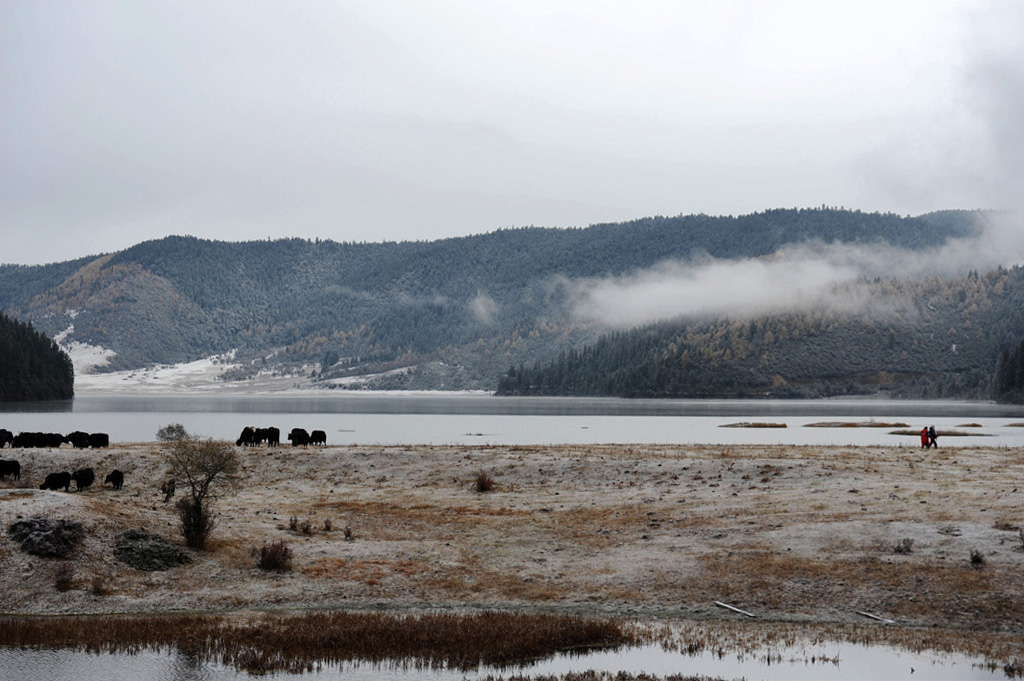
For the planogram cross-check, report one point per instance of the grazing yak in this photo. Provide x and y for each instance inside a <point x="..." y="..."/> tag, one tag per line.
<point x="6" y="437"/>
<point x="115" y="478"/>
<point x="298" y="437"/>
<point x="39" y="440"/>
<point x="12" y="468"/>
<point x="167" y="489"/>
<point x="318" y="437"/>
<point x="77" y="439"/>
<point x="253" y="437"/>
<point x="83" y="478"/>
<point x="247" y="437"/>
<point x="55" y="481"/>
<point x="99" y="440"/>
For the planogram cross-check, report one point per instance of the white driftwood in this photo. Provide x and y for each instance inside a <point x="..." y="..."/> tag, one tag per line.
<point x="734" y="609"/>
<point x="876" y="617"/>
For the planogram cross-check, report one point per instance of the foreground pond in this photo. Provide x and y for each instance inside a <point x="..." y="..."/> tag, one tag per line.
<point x="822" y="661"/>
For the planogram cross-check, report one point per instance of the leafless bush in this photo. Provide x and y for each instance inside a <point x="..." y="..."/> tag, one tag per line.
<point x="905" y="545"/>
<point x="327" y="525"/>
<point x="306" y="527"/>
<point x="348" y="534"/>
<point x="196" y="523"/>
<point x="64" y="577"/>
<point x="98" y="585"/>
<point x="484" y="482"/>
<point x="293" y="524"/>
<point x="276" y="557"/>
<point x="977" y="559"/>
<point x="208" y="467"/>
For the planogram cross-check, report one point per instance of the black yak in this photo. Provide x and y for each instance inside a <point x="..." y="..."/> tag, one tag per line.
<point x="83" y="478"/>
<point x="115" y="478"/>
<point x="55" y="481"/>
<point x="10" y="467"/>
<point x="298" y="437"/>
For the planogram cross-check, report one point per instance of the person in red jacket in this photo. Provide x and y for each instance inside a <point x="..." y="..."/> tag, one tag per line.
<point x="924" y="438"/>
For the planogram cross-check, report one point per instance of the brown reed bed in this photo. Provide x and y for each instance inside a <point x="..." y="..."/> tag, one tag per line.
<point x="303" y="642"/>
<point x="857" y="424"/>
<point x="753" y="424"/>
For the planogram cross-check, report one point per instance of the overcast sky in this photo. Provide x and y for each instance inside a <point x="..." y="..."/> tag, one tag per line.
<point x="421" y="119"/>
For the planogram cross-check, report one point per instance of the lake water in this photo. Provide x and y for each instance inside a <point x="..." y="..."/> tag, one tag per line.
<point x="821" y="662"/>
<point x="354" y="418"/>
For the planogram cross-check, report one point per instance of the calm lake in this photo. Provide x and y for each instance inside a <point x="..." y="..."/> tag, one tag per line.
<point x="438" y="419"/>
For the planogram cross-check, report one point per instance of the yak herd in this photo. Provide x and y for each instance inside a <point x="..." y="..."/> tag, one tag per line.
<point x="84" y="477"/>
<point x="299" y="437"/>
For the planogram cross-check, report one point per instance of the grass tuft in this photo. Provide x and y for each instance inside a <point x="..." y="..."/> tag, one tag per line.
<point x="275" y="557"/>
<point x="484" y="482"/>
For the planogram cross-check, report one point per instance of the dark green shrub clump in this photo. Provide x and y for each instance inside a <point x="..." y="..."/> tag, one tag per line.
<point x="148" y="552"/>
<point x="46" y="537"/>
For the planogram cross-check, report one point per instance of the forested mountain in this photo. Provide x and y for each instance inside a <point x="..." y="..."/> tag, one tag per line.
<point x="1009" y="379"/>
<point x="32" y="367"/>
<point x="455" y="312"/>
<point x="926" y="339"/>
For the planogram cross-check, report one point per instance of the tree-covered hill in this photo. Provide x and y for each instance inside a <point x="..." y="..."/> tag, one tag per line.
<point x="32" y="366"/>
<point x="926" y="339"/>
<point x="474" y="304"/>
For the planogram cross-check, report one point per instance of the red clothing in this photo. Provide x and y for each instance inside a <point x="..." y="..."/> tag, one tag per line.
<point x="924" y="437"/>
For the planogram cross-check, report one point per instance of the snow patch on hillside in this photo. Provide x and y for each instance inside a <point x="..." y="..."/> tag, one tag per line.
<point x="84" y="357"/>
<point x="202" y="376"/>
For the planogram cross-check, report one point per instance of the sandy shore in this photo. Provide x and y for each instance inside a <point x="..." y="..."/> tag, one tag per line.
<point x="797" y="534"/>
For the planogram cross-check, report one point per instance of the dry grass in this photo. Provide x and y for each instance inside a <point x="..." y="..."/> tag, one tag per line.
<point x="298" y="643"/>
<point x="856" y="424"/>
<point x="652" y="531"/>
<point x="753" y="424"/>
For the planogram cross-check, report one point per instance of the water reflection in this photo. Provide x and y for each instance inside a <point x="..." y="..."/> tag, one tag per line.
<point x="824" y="661"/>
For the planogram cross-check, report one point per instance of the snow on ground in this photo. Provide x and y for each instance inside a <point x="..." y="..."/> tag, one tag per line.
<point x="200" y="376"/>
<point x="83" y="356"/>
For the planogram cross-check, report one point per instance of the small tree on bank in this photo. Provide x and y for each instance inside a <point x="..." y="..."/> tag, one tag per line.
<point x="204" y="470"/>
<point x="171" y="432"/>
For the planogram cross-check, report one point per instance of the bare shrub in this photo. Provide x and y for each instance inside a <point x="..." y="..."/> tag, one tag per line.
<point x="293" y="524"/>
<point x="306" y="527"/>
<point x="275" y="557"/>
<point x="905" y="545"/>
<point x="208" y="467"/>
<point x="98" y="585"/>
<point x="327" y="525"/>
<point x="484" y="482"/>
<point x="977" y="559"/>
<point x="348" y="534"/>
<point x="196" y="523"/>
<point x="64" y="577"/>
